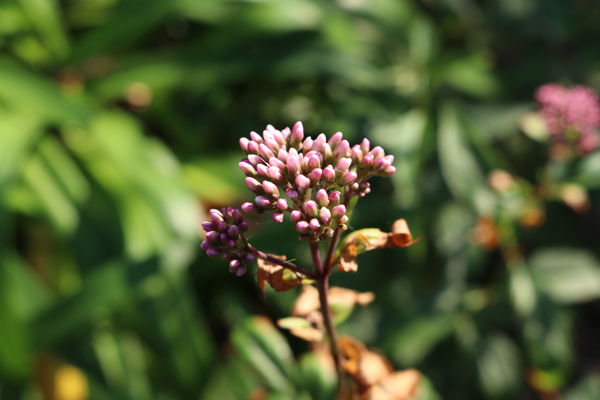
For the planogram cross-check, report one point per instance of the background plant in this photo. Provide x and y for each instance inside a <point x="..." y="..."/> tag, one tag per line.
<point x="117" y="116"/>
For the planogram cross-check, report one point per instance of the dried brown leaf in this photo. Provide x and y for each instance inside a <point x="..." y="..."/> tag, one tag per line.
<point x="308" y="334"/>
<point x="277" y="276"/>
<point x="308" y="300"/>
<point x="400" y="385"/>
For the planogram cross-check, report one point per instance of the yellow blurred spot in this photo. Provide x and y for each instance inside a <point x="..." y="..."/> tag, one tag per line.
<point x="138" y="94"/>
<point x="575" y="197"/>
<point x="500" y="180"/>
<point x="70" y="384"/>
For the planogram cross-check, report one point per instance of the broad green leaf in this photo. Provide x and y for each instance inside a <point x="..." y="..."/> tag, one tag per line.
<point x="293" y="323"/>
<point x="522" y="290"/>
<point x="459" y="167"/>
<point x="46" y="19"/>
<point x="319" y="375"/>
<point x="499" y="368"/>
<point x="18" y="135"/>
<point x="416" y="339"/>
<point x="588" y="388"/>
<point x="567" y="275"/>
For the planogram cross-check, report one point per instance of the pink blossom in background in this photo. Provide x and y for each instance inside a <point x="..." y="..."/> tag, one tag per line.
<point x="576" y="109"/>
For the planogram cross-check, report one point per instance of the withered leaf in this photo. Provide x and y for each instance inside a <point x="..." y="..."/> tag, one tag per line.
<point x="308" y="300"/>
<point x="373" y="374"/>
<point x="308" y="334"/>
<point x="370" y="239"/>
<point x="280" y="278"/>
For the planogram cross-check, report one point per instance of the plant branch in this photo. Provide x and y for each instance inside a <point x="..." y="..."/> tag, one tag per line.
<point x="284" y="264"/>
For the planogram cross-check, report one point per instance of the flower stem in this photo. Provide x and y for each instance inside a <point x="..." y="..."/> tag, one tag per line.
<point x="322" y="282"/>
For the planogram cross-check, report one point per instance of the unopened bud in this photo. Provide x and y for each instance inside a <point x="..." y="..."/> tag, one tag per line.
<point x="314" y="162"/>
<point x="252" y="148"/>
<point x="282" y="156"/>
<point x="278" y="216"/>
<point x="327" y="153"/>
<point x="265" y="152"/>
<point x="233" y="232"/>
<point x="311" y="208"/>
<point x="322" y="198"/>
<point x="247" y="168"/>
<point x="250" y="208"/>
<point x="244" y="144"/>
<point x="347" y="178"/>
<point x="342" y="150"/>
<point x="254" y="185"/>
<point x="236" y="216"/>
<point x="365" y="146"/>
<point x="314" y="224"/>
<point x="293" y="164"/>
<point x="281" y="204"/>
<point x="307" y="145"/>
<point x="271" y="189"/>
<point x="389" y="171"/>
<point x="338" y="211"/>
<point x="249" y="258"/>
<point x="213" y="252"/>
<point x="275" y="174"/>
<point x="329" y="174"/>
<point x="254" y="160"/>
<point x="205" y="245"/>
<point x="233" y="264"/>
<point x="208" y="226"/>
<point x="325" y="215"/>
<point x="297" y="135"/>
<point x="276" y="162"/>
<point x="212" y="237"/>
<point x="343" y="164"/>
<point x="240" y="270"/>
<point x="272" y="145"/>
<point x="262" y="201"/>
<point x="377" y="153"/>
<point x="262" y="170"/>
<point x="243" y="225"/>
<point x="296" y="216"/>
<point x="291" y="193"/>
<point x="222" y="226"/>
<point x="256" y="137"/>
<point x="302" y="183"/>
<point x="329" y="232"/>
<point x="335" y="139"/>
<point x="302" y="227"/>
<point x="315" y="175"/>
<point x="319" y="141"/>
<point x="334" y="197"/>
<point x="367" y="161"/>
<point x="356" y="154"/>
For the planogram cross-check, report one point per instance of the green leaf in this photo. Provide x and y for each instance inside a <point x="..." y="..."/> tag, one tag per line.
<point x="567" y="275"/>
<point x="18" y="135"/>
<point x="320" y="378"/>
<point x="588" y="388"/>
<point x="499" y="368"/>
<point x="522" y="290"/>
<point x="293" y="323"/>
<point x="415" y="340"/>
<point x="459" y="167"/>
<point x="45" y="17"/>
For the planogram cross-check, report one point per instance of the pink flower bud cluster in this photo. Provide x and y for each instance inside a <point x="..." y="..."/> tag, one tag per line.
<point x="568" y="112"/>
<point x="223" y="238"/>
<point x="285" y="163"/>
<point x="369" y="163"/>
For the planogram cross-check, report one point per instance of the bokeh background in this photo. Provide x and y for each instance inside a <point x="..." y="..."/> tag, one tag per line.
<point x="119" y="128"/>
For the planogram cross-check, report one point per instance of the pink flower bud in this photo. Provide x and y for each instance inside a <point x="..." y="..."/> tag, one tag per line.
<point x="271" y="188"/>
<point x="321" y="139"/>
<point x="276" y="175"/>
<point x="367" y="161"/>
<point x="249" y="258"/>
<point x="244" y="144"/>
<point x="311" y="208"/>
<point x="297" y="135"/>
<point x="343" y="164"/>
<point x="302" y="183"/>
<point x="315" y="175"/>
<point x="335" y="139"/>
<point x="212" y="237"/>
<point x="293" y="164"/>
<point x="296" y="216"/>
<point x="327" y="153"/>
<point x="244" y="225"/>
<point x="265" y="152"/>
<point x="389" y="171"/>
<point x="262" y="170"/>
<point x="302" y="226"/>
<point x="234" y="264"/>
<point x="268" y="135"/>
<point x="213" y="252"/>
<point x="314" y="224"/>
<point x="240" y="270"/>
<point x="278" y="216"/>
<point x="216" y="218"/>
<point x="236" y="216"/>
<point x="281" y="204"/>
<point x="334" y="197"/>
<point x="229" y="256"/>
<point x="307" y="145"/>
<point x="222" y="226"/>
<point x="250" y="208"/>
<point x="365" y="146"/>
<point x="314" y="162"/>
<point x="233" y="232"/>
<point x="247" y="168"/>
<point x="344" y="219"/>
<point x="256" y="137"/>
<point x="329" y="174"/>
<point x="272" y="145"/>
<point x="291" y="193"/>
<point x="254" y="185"/>
<point x="205" y="245"/>
<point x="329" y="232"/>
<point x="377" y="153"/>
<point x="262" y="202"/>
<point x="278" y="136"/>
<point x="338" y="211"/>
<point x="325" y="215"/>
<point x="252" y="148"/>
<point x="271" y="128"/>
<point x="254" y="160"/>
<point x="347" y="178"/>
<point x="356" y="154"/>
<point x="342" y="150"/>
<point x="208" y="226"/>
<point x="282" y="156"/>
<point x="286" y="133"/>
<point x="223" y="238"/>
<point x="322" y="198"/>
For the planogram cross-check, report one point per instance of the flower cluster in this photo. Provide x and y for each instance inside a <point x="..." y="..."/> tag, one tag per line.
<point x="571" y="114"/>
<point x="308" y="171"/>
<point x="224" y="237"/>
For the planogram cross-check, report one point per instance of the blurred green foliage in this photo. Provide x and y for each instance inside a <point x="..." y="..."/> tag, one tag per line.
<point x="119" y="122"/>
